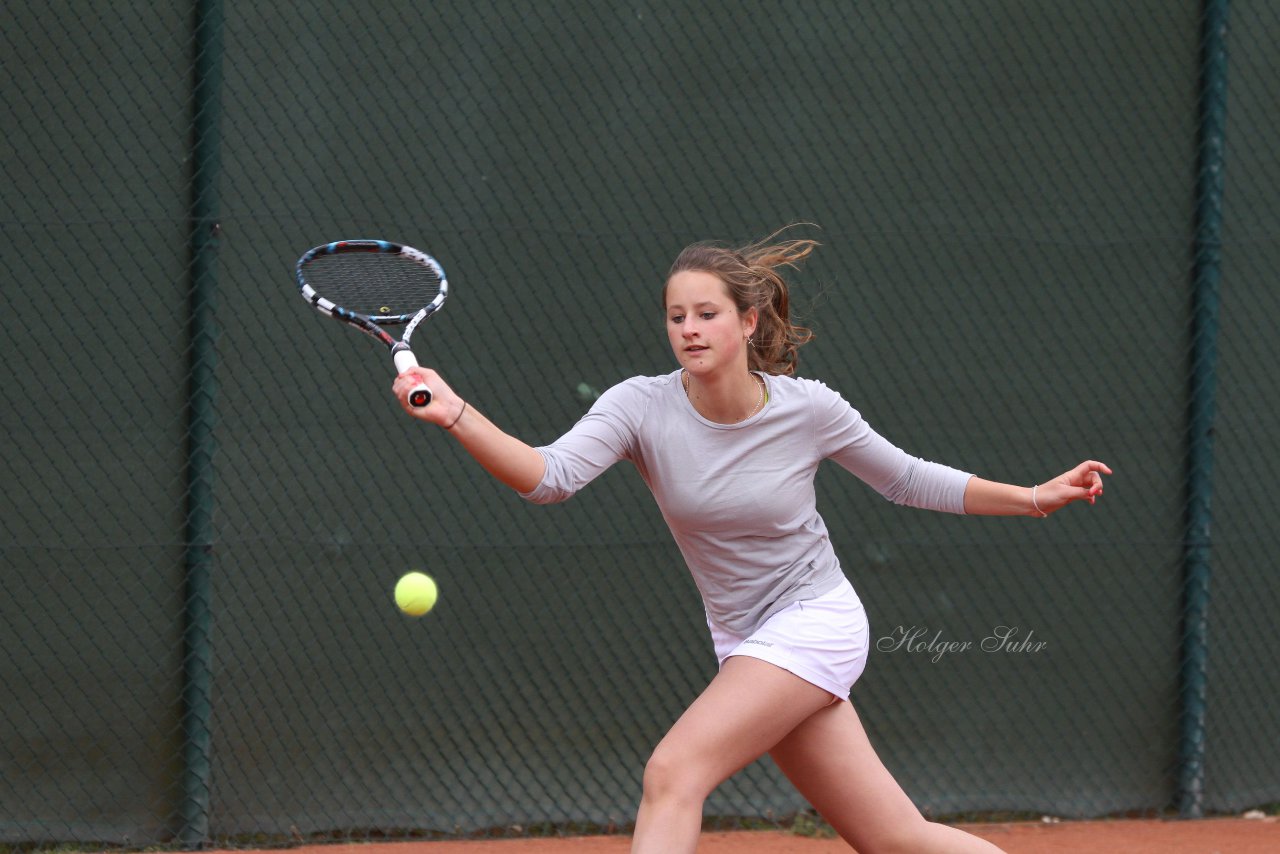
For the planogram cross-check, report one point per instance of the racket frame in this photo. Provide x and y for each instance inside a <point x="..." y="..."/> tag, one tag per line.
<point x="372" y="324"/>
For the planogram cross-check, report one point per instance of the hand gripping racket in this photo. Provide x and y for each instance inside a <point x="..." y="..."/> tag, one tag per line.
<point x="372" y="284"/>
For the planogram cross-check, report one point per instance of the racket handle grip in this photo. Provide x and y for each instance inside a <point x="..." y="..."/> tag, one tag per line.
<point x="419" y="395"/>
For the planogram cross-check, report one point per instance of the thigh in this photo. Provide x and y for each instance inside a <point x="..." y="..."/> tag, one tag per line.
<point x="745" y="710"/>
<point x="829" y="758"/>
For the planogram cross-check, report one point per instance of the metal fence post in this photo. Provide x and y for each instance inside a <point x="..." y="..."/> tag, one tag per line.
<point x="1206" y="266"/>
<point x="197" y="677"/>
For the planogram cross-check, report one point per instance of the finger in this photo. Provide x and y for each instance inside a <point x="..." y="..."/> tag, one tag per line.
<point x="1081" y="493"/>
<point x="1088" y="474"/>
<point x="402" y="388"/>
<point x="410" y="378"/>
<point x="1095" y="466"/>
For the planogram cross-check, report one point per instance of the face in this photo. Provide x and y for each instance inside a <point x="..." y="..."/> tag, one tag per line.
<point x="706" y="332"/>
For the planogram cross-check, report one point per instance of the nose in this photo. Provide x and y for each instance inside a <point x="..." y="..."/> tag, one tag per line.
<point x="687" y="329"/>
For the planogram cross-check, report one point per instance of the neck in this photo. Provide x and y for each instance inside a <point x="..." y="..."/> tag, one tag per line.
<point x="727" y="398"/>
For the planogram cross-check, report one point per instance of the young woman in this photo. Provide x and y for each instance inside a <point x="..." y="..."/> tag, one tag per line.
<point x="729" y="445"/>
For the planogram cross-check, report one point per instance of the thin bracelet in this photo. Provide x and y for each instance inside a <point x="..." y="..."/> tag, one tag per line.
<point x="459" y="418"/>
<point x="1035" y="504"/>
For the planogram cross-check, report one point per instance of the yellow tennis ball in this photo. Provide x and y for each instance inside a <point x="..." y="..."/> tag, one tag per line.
<point x="416" y="593"/>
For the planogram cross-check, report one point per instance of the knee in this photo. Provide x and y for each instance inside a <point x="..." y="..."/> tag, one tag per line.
<point x="907" y="837"/>
<point x="668" y="777"/>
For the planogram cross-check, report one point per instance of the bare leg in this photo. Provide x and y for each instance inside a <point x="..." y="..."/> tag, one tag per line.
<point x="745" y="710"/>
<point x="831" y="761"/>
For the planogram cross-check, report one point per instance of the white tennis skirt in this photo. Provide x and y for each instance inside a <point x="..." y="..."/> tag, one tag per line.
<point x="824" y="641"/>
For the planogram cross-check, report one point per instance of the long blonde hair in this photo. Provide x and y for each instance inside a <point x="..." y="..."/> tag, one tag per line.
<point x="750" y="275"/>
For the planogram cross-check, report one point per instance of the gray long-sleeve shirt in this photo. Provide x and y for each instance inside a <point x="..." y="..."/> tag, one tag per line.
<point x="739" y="498"/>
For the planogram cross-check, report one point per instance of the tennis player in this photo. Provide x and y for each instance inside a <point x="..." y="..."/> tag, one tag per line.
<point x="729" y="445"/>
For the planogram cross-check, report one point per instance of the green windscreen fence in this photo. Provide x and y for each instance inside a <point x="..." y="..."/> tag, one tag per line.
<point x="1049" y="233"/>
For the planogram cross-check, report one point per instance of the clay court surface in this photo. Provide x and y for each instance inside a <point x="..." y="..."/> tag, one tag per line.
<point x="1206" y="836"/>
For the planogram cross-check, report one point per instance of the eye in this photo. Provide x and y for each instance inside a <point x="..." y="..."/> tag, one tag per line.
<point x="677" y="318"/>
<point x="707" y="315"/>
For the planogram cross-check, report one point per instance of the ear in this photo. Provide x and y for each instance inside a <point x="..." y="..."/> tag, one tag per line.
<point x="750" y="319"/>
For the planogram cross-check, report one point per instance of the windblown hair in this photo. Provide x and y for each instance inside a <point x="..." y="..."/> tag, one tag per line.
<point x="750" y="275"/>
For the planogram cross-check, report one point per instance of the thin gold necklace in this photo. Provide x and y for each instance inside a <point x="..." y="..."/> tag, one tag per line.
<point x="759" y="403"/>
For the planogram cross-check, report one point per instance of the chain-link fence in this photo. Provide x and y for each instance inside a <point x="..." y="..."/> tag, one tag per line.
<point x="1049" y="233"/>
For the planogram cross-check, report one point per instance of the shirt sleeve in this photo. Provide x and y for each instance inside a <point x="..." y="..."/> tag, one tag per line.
<point x="844" y="437"/>
<point x="602" y="437"/>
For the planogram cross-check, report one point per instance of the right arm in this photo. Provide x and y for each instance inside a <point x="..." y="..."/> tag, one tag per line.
<point x="504" y="456"/>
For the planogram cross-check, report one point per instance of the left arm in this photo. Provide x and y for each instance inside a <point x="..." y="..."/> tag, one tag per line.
<point x="988" y="498"/>
<point x="843" y="436"/>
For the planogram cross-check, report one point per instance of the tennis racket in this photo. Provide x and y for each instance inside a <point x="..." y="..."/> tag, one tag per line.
<point x="374" y="284"/>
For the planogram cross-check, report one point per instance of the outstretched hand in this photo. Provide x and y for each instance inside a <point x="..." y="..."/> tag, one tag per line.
<point x="1082" y="483"/>
<point x="445" y="406"/>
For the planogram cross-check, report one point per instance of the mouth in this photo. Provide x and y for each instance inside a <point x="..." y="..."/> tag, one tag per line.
<point x="696" y="348"/>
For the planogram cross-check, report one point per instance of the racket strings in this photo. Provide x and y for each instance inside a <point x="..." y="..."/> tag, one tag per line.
<point x="373" y="284"/>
